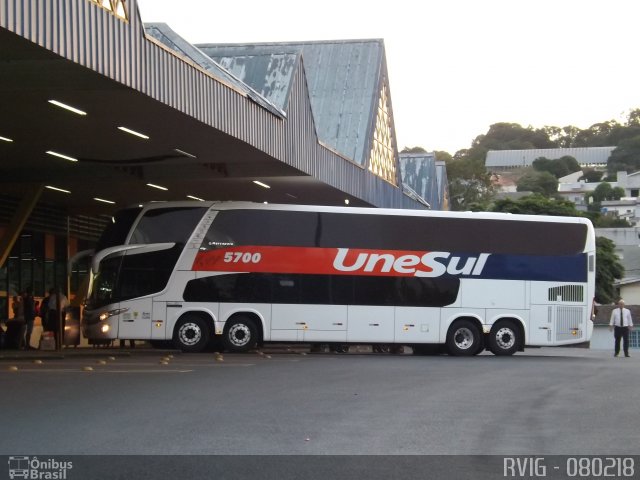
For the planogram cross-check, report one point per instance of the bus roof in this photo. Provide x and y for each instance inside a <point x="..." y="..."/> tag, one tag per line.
<point x="239" y="205"/>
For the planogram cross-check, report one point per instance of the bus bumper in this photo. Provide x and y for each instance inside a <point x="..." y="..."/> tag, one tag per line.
<point x="95" y="328"/>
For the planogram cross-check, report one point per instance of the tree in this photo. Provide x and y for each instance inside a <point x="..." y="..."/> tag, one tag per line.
<point x="507" y="136"/>
<point x="603" y="192"/>
<point x="633" y="119"/>
<point x="558" y="168"/>
<point x="626" y="157"/>
<point x="608" y="221"/>
<point x="591" y="175"/>
<point x="413" y="150"/>
<point x="536" y="205"/>
<point x="562" y="137"/>
<point x="538" y="182"/>
<point x="443" y="156"/>
<point x="469" y="183"/>
<point x="608" y="269"/>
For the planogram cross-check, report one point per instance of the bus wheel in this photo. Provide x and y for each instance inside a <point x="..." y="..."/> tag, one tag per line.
<point x="240" y="334"/>
<point x="463" y="338"/>
<point x="504" y="338"/>
<point x="191" y="334"/>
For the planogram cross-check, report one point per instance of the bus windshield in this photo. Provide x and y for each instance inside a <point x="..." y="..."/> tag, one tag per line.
<point x="104" y="282"/>
<point x="127" y="275"/>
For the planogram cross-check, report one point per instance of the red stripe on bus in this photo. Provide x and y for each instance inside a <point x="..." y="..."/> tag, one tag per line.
<point x="305" y="260"/>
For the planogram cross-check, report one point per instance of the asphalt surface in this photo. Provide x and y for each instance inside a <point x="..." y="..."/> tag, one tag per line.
<point x="543" y="401"/>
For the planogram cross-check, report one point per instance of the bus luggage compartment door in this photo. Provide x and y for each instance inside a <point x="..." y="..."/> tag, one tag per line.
<point x="326" y="323"/>
<point x="371" y="324"/>
<point x="309" y="323"/>
<point x="417" y="325"/>
<point x="541" y="322"/>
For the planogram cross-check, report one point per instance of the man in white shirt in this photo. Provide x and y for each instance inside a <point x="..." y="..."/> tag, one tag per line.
<point x="55" y="315"/>
<point x="621" y="324"/>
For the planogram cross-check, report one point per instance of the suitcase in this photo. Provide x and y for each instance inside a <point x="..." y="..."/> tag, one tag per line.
<point x="47" y="341"/>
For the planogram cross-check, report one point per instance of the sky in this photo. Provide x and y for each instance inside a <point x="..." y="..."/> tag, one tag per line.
<point x="455" y="66"/>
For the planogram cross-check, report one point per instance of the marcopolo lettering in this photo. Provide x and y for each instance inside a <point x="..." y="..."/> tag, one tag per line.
<point x="429" y="264"/>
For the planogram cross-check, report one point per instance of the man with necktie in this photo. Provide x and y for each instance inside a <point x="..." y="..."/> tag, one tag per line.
<point x="621" y="324"/>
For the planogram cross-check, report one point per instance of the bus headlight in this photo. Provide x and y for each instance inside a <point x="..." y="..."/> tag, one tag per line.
<point x="104" y="328"/>
<point x="105" y="315"/>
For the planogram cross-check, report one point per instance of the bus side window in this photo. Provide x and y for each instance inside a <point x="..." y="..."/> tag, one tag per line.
<point x="315" y="289"/>
<point x="286" y="288"/>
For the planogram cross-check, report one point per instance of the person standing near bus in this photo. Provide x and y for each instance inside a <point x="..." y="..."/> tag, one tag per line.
<point x="621" y="324"/>
<point x="29" y="307"/>
<point x="58" y="304"/>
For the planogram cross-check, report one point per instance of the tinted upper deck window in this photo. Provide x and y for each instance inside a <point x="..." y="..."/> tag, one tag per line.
<point x="394" y="232"/>
<point x="167" y="225"/>
<point x="118" y="229"/>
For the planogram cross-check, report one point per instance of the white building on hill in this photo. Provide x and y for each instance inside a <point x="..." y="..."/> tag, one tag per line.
<point x="498" y="160"/>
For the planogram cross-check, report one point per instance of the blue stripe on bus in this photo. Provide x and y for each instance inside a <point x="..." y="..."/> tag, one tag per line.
<point x="541" y="268"/>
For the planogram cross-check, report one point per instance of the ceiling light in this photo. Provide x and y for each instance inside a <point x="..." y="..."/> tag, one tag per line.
<point x="50" y="187"/>
<point x="60" y="155"/>
<point x="103" y="200"/>
<point x="195" y="198"/>
<point x="264" y="185"/>
<point x="133" y="132"/>
<point x="5" y="139"/>
<point x="157" y="186"/>
<point x="67" y="107"/>
<point x="289" y="195"/>
<point x="182" y="152"/>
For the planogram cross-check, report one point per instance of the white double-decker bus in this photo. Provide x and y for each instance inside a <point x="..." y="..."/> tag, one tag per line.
<point x="245" y="274"/>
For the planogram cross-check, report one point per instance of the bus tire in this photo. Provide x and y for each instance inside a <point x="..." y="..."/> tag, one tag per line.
<point x="240" y="334"/>
<point x="463" y="338"/>
<point x="504" y="338"/>
<point x="191" y="334"/>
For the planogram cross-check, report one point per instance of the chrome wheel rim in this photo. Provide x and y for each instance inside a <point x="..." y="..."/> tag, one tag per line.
<point x="505" y="338"/>
<point x="463" y="338"/>
<point x="190" y="334"/>
<point x="239" y="335"/>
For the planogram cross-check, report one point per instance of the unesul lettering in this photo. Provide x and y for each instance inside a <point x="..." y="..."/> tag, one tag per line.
<point x="436" y="263"/>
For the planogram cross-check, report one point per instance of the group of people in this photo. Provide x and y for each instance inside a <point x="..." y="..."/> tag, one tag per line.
<point x="26" y="309"/>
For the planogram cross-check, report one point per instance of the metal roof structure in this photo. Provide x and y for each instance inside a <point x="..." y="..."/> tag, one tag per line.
<point x="420" y="175"/>
<point x="164" y="34"/>
<point x="586" y="156"/>
<point x="344" y="80"/>
<point x="443" y="185"/>
<point x="206" y="132"/>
